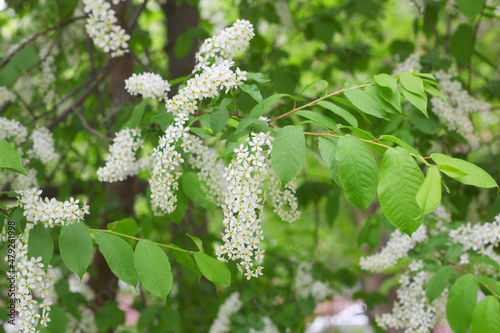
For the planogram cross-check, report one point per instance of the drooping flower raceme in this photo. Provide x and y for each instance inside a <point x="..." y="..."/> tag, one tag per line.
<point x="225" y="46"/>
<point x="397" y="247"/>
<point x="43" y="145"/>
<point x="284" y="200"/>
<point x="222" y="324"/>
<point x="30" y="281"/>
<point x="412" y="312"/>
<point x="456" y="113"/>
<point x="50" y="212"/>
<point x="121" y="161"/>
<point x="306" y="285"/>
<point x="6" y="96"/>
<point x="102" y="29"/>
<point x="12" y="129"/>
<point x="148" y="85"/>
<point x="409" y="64"/>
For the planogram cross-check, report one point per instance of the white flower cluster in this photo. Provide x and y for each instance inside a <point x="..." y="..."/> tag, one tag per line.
<point x="412" y="63"/>
<point x="284" y="200"/>
<point x="122" y="161"/>
<point x="6" y="96"/>
<point x="81" y="286"/>
<point x="86" y="324"/>
<point x="30" y="281"/>
<point x="269" y="327"/>
<point x="222" y="323"/>
<point x="10" y="128"/>
<point x="244" y="205"/>
<point x="482" y="238"/>
<point x="166" y="160"/>
<point x="50" y="212"/>
<point x="412" y="312"/>
<point x="148" y="85"/>
<point x="397" y="247"/>
<point x="43" y="145"/>
<point x="22" y="182"/>
<point x="456" y="113"/>
<point x="226" y="45"/>
<point x="211" y="172"/>
<point x="102" y="29"/>
<point x="306" y="286"/>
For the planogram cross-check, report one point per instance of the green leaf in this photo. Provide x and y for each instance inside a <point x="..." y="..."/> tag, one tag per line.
<point x="40" y="244"/>
<point x="10" y="158"/>
<point x="461" y="303"/>
<point x="288" y="153"/>
<point x="213" y="269"/>
<point x="371" y="232"/>
<point x="400" y="180"/>
<point x="366" y="136"/>
<point x="454" y="250"/>
<point x="412" y="83"/>
<point x="419" y="101"/>
<point x="320" y="82"/>
<point x="58" y="320"/>
<point x="452" y="171"/>
<point x="486" y="316"/>
<point x="471" y="8"/>
<point x="153" y="268"/>
<point x="185" y="260"/>
<point x="400" y="142"/>
<point x="486" y="260"/>
<point x="429" y="195"/>
<point x="253" y="91"/>
<point x="328" y="150"/>
<point x="75" y="246"/>
<point x="433" y="91"/>
<point x="146" y="318"/>
<point x="318" y="119"/>
<point x="197" y="241"/>
<point x="259" y="109"/>
<point x="357" y="171"/>
<point x="462" y="44"/>
<point x="340" y="112"/>
<point x="387" y="81"/>
<point x="259" y="77"/>
<point x="109" y="317"/>
<point x="163" y="117"/>
<point x="475" y="175"/>
<point x="24" y="59"/>
<point x="119" y="256"/>
<point x="438" y="282"/>
<point x="126" y="226"/>
<point x="192" y="187"/>
<point x="365" y="102"/>
<point x="393" y="98"/>
<point x="137" y="114"/>
<point x="219" y="116"/>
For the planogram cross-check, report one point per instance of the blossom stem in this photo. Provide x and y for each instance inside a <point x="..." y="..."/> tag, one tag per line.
<point x="338" y="92"/>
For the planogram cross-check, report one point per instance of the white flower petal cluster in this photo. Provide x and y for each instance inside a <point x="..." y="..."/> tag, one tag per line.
<point x="284" y="200"/>
<point x="412" y="312"/>
<point x="306" y="285"/>
<point x="243" y="205"/>
<point x="122" y="161"/>
<point x="412" y="63"/>
<point x="50" y="212"/>
<point x="397" y="247"/>
<point x="22" y="182"/>
<point x="456" y="113"/>
<point x="102" y="29"/>
<point x="225" y="46"/>
<point x="166" y="161"/>
<point x="30" y="279"/>
<point x="12" y="129"/>
<point x="269" y="327"/>
<point x="6" y="96"/>
<point x="211" y="172"/>
<point x="81" y="286"/>
<point x="86" y="324"/>
<point x="43" y="145"/>
<point x="482" y="238"/>
<point x="222" y="324"/>
<point x="148" y="85"/>
<point x="205" y="85"/>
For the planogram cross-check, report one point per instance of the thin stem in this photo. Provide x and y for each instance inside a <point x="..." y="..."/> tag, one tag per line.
<point x="457" y="267"/>
<point x="338" y="92"/>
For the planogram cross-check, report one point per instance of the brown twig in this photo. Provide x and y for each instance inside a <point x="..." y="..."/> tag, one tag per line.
<point x="89" y="128"/>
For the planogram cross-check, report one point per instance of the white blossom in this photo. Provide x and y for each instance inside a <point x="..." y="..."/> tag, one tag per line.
<point x="148" y="85"/>
<point x="43" y="145"/>
<point x="6" y="96"/>
<point x="122" y="161"/>
<point x="306" y="286"/>
<point x="222" y="324"/>
<point x="412" y="63"/>
<point x="12" y="129"/>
